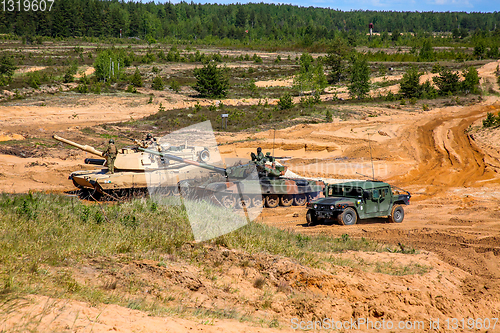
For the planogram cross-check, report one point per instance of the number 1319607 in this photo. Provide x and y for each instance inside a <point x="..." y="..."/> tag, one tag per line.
<point x="26" y="5"/>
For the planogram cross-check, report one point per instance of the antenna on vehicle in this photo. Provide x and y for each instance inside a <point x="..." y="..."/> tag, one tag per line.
<point x="371" y="157"/>
<point x="274" y="139"/>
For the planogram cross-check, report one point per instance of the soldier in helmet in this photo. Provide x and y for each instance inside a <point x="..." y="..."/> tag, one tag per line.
<point x="110" y="154"/>
<point x="260" y="155"/>
<point x="147" y="142"/>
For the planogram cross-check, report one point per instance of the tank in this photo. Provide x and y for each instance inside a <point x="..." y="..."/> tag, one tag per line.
<point x="130" y="177"/>
<point x="240" y="186"/>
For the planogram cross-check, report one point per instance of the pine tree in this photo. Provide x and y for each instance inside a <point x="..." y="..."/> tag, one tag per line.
<point x="359" y="79"/>
<point x="211" y="81"/>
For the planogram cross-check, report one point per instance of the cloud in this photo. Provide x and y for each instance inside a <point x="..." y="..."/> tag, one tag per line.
<point x="460" y="3"/>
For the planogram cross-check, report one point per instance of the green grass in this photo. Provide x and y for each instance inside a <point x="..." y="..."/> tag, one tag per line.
<point x="44" y="238"/>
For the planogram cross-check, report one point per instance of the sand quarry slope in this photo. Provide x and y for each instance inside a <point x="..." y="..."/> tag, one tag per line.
<point x="442" y="156"/>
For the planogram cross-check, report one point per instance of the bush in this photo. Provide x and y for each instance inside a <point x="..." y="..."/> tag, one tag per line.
<point x="447" y="82"/>
<point x="390" y="96"/>
<point x="471" y="80"/>
<point x="211" y="81"/>
<point x="158" y="83"/>
<point x="286" y="102"/>
<point x="425" y="107"/>
<point x="7" y="68"/>
<point x="83" y="88"/>
<point x="175" y="86"/>
<point x="131" y="89"/>
<point x="136" y="78"/>
<point x="257" y="59"/>
<point x="33" y="79"/>
<point x="410" y="83"/>
<point x="328" y="116"/>
<point x="68" y="77"/>
<point x="491" y="120"/>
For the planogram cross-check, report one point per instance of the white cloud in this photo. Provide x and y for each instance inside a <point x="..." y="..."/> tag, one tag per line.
<point x="461" y="3"/>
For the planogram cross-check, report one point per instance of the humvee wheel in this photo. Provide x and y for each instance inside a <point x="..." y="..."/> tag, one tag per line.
<point x="272" y="201"/>
<point x="348" y="216"/>
<point x="257" y="201"/>
<point x="311" y="217"/>
<point x="243" y="202"/>
<point x="299" y="199"/>
<point x="286" y="200"/>
<point x="397" y="214"/>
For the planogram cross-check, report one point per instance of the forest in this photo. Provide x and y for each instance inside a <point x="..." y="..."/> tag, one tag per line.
<point x="238" y="24"/>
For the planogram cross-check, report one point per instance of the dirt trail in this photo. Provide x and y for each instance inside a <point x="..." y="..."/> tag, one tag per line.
<point x="446" y="154"/>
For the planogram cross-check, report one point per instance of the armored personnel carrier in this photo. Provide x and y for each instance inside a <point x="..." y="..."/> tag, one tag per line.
<point x="130" y="177"/>
<point x="240" y="186"/>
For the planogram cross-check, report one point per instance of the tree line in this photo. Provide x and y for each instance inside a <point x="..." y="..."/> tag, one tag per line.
<point x="100" y="18"/>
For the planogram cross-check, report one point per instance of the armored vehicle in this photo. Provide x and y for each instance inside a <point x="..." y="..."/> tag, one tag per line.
<point x="347" y="202"/>
<point x="254" y="184"/>
<point x="129" y="177"/>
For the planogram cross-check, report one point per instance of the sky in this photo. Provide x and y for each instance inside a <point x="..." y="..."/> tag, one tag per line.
<point x="386" y="5"/>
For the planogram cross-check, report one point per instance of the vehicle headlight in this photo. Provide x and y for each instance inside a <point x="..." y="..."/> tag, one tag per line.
<point x="315" y="206"/>
<point x="332" y="207"/>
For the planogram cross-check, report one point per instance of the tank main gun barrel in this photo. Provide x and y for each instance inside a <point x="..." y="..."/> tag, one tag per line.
<point x="183" y="160"/>
<point x="86" y="148"/>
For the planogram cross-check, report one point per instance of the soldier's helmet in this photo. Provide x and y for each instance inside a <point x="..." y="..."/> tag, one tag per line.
<point x="259" y="150"/>
<point x="111" y="141"/>
<point x="149" y="136"/>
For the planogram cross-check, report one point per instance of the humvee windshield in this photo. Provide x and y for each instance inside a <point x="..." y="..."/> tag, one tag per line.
<point x="344" y="191"/>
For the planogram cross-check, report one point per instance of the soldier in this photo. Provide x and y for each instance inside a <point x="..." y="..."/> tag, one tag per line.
<point x="260" y="155"/>
<point x="147" y="142"/>
<point x="269" y="158"/>
<point x="110" y="154"/>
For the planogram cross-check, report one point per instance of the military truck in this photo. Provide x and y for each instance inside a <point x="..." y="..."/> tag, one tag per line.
<point x="347" y="202"/>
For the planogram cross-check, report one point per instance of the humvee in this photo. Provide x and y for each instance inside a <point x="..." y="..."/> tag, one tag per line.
<point x="347" y="202"/>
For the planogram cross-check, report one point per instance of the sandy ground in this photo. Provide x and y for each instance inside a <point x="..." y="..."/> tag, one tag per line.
<point x="441" y="156"/>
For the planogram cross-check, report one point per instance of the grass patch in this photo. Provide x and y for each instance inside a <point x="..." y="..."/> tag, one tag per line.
<point x="43" y="238"/>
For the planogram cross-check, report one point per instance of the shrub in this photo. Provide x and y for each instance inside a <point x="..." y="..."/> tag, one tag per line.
<point x="131" y="89"/>
<point x="286" y="102"/>
<point x="447" y="82"/>
<point x="410" y="83"/>
<point x="175" y="86"/>
<point x="33" y="79"/>
<point x="158" y="83"/>
<point x="491" y="120"/>
<point x="257" y="59"/>
<point x="83" y="88"/>
<point x="7" y="68"/>
<point x="471" y="80"/>
<point x="328" y="116"/>
<point x="136" y="78"/>
<point x="390" y="96"/>
<point x="425" y="107"/>
<point x="68" y="77"/>
<point x="211" y="81"/>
